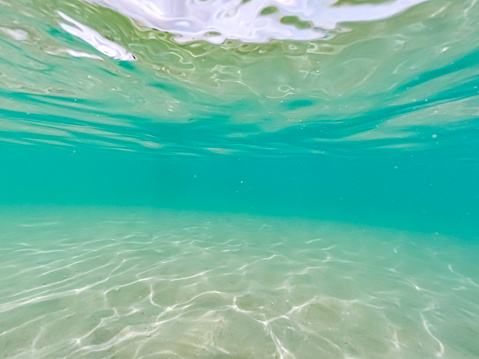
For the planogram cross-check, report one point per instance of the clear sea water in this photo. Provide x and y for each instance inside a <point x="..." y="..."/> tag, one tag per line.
<point x="239" y="179"/>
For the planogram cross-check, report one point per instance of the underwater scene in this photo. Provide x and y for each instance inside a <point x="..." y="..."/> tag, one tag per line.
<point x="239" y="179"/>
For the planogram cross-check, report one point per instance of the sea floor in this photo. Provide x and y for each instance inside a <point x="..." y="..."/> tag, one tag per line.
<point x="147" y="283"/>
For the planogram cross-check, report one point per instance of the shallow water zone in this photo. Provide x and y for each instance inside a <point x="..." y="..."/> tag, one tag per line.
<point x="239" y="179"/>
<point x="143" y="283"/>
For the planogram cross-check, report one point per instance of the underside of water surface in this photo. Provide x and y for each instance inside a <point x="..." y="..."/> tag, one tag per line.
<point x="239" y="179"/>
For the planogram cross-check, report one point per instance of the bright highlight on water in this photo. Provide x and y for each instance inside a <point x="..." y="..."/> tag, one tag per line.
<point x="251" y="21"/>
<point x="239" y="179"/>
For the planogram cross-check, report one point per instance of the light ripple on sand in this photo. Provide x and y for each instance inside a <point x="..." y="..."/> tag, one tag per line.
<point x="131" y="283"/>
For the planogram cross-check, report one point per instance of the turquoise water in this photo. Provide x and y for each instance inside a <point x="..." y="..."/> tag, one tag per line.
<point x="239" y="179"/>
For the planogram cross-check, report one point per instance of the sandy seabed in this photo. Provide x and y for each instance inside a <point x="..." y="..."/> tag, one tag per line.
<point x="147" y="283"/>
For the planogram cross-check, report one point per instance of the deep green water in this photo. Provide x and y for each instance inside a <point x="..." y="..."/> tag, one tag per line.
<point x="311" y="196"/>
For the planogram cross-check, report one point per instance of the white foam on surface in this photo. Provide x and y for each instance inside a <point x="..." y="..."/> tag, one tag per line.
<point x="218" y="20"/>
<point x="92" y="37"/>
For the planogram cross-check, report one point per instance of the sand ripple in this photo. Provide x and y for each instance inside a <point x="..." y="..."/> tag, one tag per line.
<point x="132" y="283"/>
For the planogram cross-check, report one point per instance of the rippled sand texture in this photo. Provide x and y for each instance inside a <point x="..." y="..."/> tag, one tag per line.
<point x="133" y="283"/>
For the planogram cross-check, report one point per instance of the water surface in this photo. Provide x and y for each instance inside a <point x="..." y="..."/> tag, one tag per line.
<point x="244" y="179"/>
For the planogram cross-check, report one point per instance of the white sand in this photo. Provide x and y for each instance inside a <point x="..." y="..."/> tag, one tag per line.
<point x="141" y="283"/>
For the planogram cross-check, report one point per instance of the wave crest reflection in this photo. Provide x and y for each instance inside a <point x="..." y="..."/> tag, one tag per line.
<point x="251" y="20"/>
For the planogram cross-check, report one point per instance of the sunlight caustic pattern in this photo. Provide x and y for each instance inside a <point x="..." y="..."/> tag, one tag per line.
<point x="207" y="285"/>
